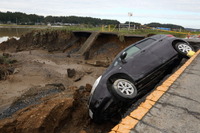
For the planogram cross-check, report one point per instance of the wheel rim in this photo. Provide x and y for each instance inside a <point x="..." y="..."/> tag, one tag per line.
<point x="125" y="88"/>
<point x="184" y="48"/>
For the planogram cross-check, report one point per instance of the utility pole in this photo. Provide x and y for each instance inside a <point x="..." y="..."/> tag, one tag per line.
<point x="129" y="14"/>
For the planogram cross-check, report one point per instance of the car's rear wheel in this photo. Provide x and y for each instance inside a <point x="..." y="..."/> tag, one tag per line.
<point x="124" y="89"/>
<point x="183" y="48"/>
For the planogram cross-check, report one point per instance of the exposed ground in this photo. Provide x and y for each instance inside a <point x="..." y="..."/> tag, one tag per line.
<point x="48" y="90"/>
<point x="43" y="88"/>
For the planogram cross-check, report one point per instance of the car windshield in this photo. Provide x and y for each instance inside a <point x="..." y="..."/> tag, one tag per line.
<point x="130" y="52"/>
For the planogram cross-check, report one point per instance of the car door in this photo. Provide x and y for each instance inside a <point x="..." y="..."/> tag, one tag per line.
<point x="143" y="62"/>
<point x="164" y="50"/>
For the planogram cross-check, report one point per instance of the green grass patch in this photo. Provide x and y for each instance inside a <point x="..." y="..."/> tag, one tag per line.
<point x="144" y="32"/>
<point x="4" y="60"/>
<point x="112" y="28"/>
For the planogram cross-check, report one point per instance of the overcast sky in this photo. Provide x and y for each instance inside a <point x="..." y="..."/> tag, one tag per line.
<point x="180" y="12"/>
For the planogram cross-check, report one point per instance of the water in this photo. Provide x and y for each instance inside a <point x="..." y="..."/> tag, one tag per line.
<point x="13" y="32"/>
<point x="10" y="32"/>
<point x="5" y="38"/>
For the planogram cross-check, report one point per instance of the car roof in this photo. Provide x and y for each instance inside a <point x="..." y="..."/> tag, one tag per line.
<point x="157" y="37"/>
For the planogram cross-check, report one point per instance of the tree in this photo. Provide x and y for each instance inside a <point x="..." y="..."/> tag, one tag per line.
<point x="172" y="26"/>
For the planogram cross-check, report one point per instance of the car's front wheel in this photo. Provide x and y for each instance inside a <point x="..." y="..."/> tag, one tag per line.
<point x="183" y="48"/>
<point x="124" y="89"/>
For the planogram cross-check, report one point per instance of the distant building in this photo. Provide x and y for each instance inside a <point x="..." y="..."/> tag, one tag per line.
<point x="49" y="24"/>
<point x="8" y="22"/>
<point x="162" y="28"/>
<point x="192" y="30"/>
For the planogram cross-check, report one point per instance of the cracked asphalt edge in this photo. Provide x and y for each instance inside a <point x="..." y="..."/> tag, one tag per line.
<point x="130" y="121"/>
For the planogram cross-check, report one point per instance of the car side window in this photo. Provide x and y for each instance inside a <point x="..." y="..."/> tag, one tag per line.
<point x="131" y="51"/>
<point x="145" y="43"/>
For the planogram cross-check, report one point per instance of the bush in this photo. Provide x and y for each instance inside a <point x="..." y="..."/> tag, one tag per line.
<point x="2" y="60"/>
<point x="5" y="60"/>
<point x="6" y="66"/>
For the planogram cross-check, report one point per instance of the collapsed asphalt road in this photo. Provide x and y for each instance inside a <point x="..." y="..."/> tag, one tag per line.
<point x="31" y="97"/>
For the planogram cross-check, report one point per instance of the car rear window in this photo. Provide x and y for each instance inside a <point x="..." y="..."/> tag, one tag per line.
<point x="145" y="43"/>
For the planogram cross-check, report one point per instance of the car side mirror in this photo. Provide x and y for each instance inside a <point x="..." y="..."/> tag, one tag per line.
<point x="123" y="56"/>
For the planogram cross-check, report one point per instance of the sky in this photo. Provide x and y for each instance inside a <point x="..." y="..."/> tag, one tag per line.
<point x="181" y="12"/>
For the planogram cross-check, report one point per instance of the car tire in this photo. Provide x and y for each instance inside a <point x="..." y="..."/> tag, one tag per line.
<point x="183" y="48"/>
<point x="124" y="89"/>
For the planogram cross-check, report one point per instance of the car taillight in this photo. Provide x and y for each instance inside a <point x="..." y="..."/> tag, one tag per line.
<point x="170" y="35"/>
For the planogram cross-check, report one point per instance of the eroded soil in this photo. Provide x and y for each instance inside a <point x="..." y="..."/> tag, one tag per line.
<point x="41" y="95"/>
<point x="41" y="85"/>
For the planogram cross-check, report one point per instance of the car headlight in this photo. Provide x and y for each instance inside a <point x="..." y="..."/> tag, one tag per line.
<point x="93" y="88"/>
<point x="90" y="113"/>
<point x="95" y="85"/>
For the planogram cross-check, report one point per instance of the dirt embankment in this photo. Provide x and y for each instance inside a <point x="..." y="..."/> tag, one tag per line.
<point x="43" y="39"/>
<point x="106" y="46"/>
<point x="38" y="97"/>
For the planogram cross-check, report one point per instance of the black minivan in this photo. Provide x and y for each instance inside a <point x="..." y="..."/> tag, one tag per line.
<point x="133" y="69"/>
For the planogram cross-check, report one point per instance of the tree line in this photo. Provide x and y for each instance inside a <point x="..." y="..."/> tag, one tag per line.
<point x="172" y="26"/>
<point x="32" y="19"/>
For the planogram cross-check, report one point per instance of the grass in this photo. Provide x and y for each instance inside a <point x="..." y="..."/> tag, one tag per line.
<point x="6" y="61"/>
<point x="22" y="26"/>
<point x="6" y="66"/>
<point x="124" y="31"/>
<point x="106" y="29"/>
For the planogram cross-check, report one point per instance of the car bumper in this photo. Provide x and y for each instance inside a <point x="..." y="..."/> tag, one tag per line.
<point x="99" y="102"/>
